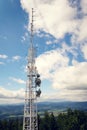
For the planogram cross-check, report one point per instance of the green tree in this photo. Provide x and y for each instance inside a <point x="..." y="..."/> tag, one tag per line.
<point x="46" y="121"/>
<point x="53" y="122"/>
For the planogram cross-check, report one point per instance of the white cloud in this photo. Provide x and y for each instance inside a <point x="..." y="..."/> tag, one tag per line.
<point x="64" y="95"/>
<point x="49" y="42"/>
<point x="53" y="65"/>
<point x="52" y="42"/>
<point x="41" y="34"/>
<point x="68" y="49"/>
<point x="3" y="56"/>
<point x="68" y="82"/>
<point x="2" y="63"/>
<point x="59" y="17"/>
<point x="84" y="50"/>
<point x="26" y="35"/>
<point x="17" y="96"/>
<point x="75" y="62"/>
<point x="11" y="94"/>
<point x="84" y="6"/>
<point x="55" y="21"/>
<point x="16" y="58"/>
<point x="81" y="32"/>
<point x="20" y="81"/>
<point x="71" y="77"/>
<point x="50" y="61"/>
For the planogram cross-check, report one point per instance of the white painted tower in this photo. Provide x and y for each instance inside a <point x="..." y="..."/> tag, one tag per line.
<point x="33" y="91"/>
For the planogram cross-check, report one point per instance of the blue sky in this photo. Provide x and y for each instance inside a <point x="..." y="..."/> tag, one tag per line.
<point x="61" y="41"/>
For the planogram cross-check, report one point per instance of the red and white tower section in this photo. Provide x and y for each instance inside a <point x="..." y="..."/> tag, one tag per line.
<point x="33" y="91"/>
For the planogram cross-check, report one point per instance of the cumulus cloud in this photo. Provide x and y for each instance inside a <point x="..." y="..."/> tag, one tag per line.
<point x="9" y="94"/>
<point x="49" y="42"/>
<point x="58" y="18"/>
<point x="68" y="81"/>
<point x="84" y="50"/>
<point x="16" y="58"/>
<point x="50" y="61"/>
<point x="52" y="42"/>
<point x="71" y="77"/>
<point x="54" y="65"/>
<point x="20" y="81"/>
<point x="84" y="6"/>
<point x="64" y="95"/>
<point x="81" y="32"/>
<point x="3" y="56"/>
<point x="57" y="24"/>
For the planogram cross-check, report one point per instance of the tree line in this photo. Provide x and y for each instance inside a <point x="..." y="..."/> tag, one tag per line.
<point x="71" y="120"/>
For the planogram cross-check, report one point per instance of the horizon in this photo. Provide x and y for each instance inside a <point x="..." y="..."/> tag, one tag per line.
<point x="44" y="102"/>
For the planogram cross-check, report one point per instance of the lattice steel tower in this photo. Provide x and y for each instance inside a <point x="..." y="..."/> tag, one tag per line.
<point x="32" y="88"/>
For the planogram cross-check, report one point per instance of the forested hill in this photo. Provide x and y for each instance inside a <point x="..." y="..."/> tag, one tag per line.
<point x="71" y="120"/>
<point x="16" y="110"/>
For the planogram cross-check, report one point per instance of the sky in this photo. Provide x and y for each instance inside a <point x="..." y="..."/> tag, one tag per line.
<point x="60" y="38"/>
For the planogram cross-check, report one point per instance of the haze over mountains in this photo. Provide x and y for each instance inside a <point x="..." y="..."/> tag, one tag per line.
<point x="16" y="110"/>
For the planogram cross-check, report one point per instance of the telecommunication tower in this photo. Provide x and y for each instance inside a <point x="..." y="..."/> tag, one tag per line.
<point x="32" y="88"/>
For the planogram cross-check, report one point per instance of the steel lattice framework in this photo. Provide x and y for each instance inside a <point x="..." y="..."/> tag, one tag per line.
<point x="32" y="89"/>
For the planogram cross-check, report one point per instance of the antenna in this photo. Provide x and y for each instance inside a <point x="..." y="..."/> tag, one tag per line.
<point x="32" y="26"/>
<point x="32" y="88"/>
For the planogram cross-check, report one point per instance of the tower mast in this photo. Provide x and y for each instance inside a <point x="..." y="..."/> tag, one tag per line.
<point x="33" y="91"/>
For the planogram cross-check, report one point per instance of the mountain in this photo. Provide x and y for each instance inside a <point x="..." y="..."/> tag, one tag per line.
<point x="10" y="111"/>
<point x="62" y="105"/>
